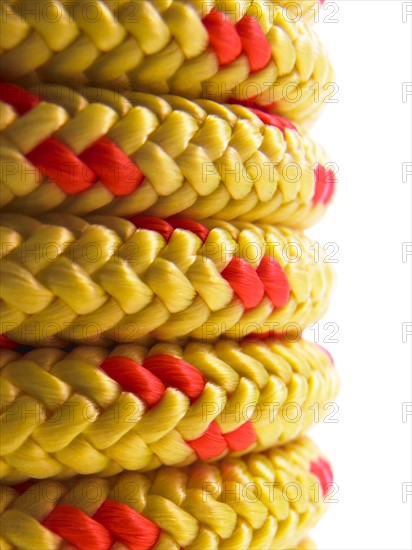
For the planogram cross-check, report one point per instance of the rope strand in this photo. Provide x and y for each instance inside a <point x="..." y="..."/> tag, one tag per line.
<point x="68" y="279"/>
<point x="91" y="411"/>
<point x="256" y="51"/>
<point x="124" y="155"/>
<point x="265" y="501"/>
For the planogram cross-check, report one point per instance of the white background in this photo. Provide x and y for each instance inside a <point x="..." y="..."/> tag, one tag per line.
<point x="367" y="133"/>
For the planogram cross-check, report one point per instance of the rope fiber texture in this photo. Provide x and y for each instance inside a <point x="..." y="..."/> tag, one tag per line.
<point x="264" y="501"/>
<point x="254" y="51"/>
<point x="107" y="279"/>
<point x="193" y="425"/>
<point x="91" y="411"/>
<point x="122" y="155"/>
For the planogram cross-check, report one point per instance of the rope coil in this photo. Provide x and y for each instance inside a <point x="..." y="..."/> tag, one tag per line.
<point x="264" y="501"/>
<point x="91" y="411"/>
<point x="123" y="155"/>
<point x="102" y="279"/>
<point x="244" y="51"/>
<point x="140" y="416"/>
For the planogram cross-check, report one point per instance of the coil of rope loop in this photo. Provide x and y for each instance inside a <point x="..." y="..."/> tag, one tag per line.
<point x="107" y="279"/>
<point x="264" y="501"/>
<point x="227" y="50"/>
<point x="123" y="155"/>
<point x="91" y="411"/>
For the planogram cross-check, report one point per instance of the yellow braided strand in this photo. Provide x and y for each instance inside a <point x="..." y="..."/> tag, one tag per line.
<point x="163" y="47"/>
<point x="99" y="280"/>
<point x="199" y="159"/>
<point x="266" y="501"/>
<point x="63" y="409"/>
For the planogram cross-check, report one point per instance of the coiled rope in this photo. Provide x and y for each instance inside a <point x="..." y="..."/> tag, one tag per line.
<point x="250" y="51"/>
<point x="264" y="501"/>
<point x="93" y="411"/>
<point x="123" y="155"/>
<point x="108" y="279"/>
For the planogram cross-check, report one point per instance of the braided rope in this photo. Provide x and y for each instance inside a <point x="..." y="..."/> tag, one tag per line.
<point x="123" y="155"/>
<point x="150" y="407"/>
<point x="266" y="501"/>
<point x="108" y="279"/>
<point x="91" y="411"/>
<point x="220" y="50"/>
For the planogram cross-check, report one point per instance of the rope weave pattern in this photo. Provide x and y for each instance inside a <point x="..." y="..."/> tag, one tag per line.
<point x="123" y="155"/>
<point x="107" y="279"/>
<point x="140" y="415"/>
<point x="90" y="411"/>
<point x="266" y="501"/>
<point x="230" y="50"/>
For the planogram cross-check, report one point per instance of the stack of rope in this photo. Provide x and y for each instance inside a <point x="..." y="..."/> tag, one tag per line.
<point x="154" y="280"/>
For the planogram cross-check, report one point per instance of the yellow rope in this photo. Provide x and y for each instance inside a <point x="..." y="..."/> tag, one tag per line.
<point x="70" y="279"/>
<point x="199" y="159"/>
<point x="264" y="501"/>
<point x="162" y="46"/>
<point x="62" y="414"/>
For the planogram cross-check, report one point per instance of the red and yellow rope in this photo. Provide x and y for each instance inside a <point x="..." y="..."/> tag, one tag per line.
<point x="221" y="50"/>
<point x="192" y="426"/>
<point x="91" y="411"/>
<point x="139" y="153"/>
<point x="107" y="279"/>
<point x="264" y="501"/>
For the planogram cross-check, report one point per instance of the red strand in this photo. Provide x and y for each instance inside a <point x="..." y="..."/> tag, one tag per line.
<point x="324" y="184"/>
<point x="176" y="373"/>
<point x="245" y="282"/>
<point x="62" y="166"/>
<point x="112" y="167"/>
<point x="328" y="472"/>
<point x="223" y="36"/>
<point x="274" y="120"/>
<point x="211" y="444"/>
<point x="134" y="378"/>
<point x="6" y="343"/>
<point x="22" y="100"/>
<point x="241" y="438"/>
<point x="183" y="223"/>
<point x="153" y="224"/>
<point x="274" y="280"/>
<point x="74" y="526"/>
<point x="127" y="526"/>
<point x="323" y="471"/>
<point x="254" y="43"/>
<point x="270" y="335"/>
<point x="23" y="487"/>
<point x="167" y="226"/>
